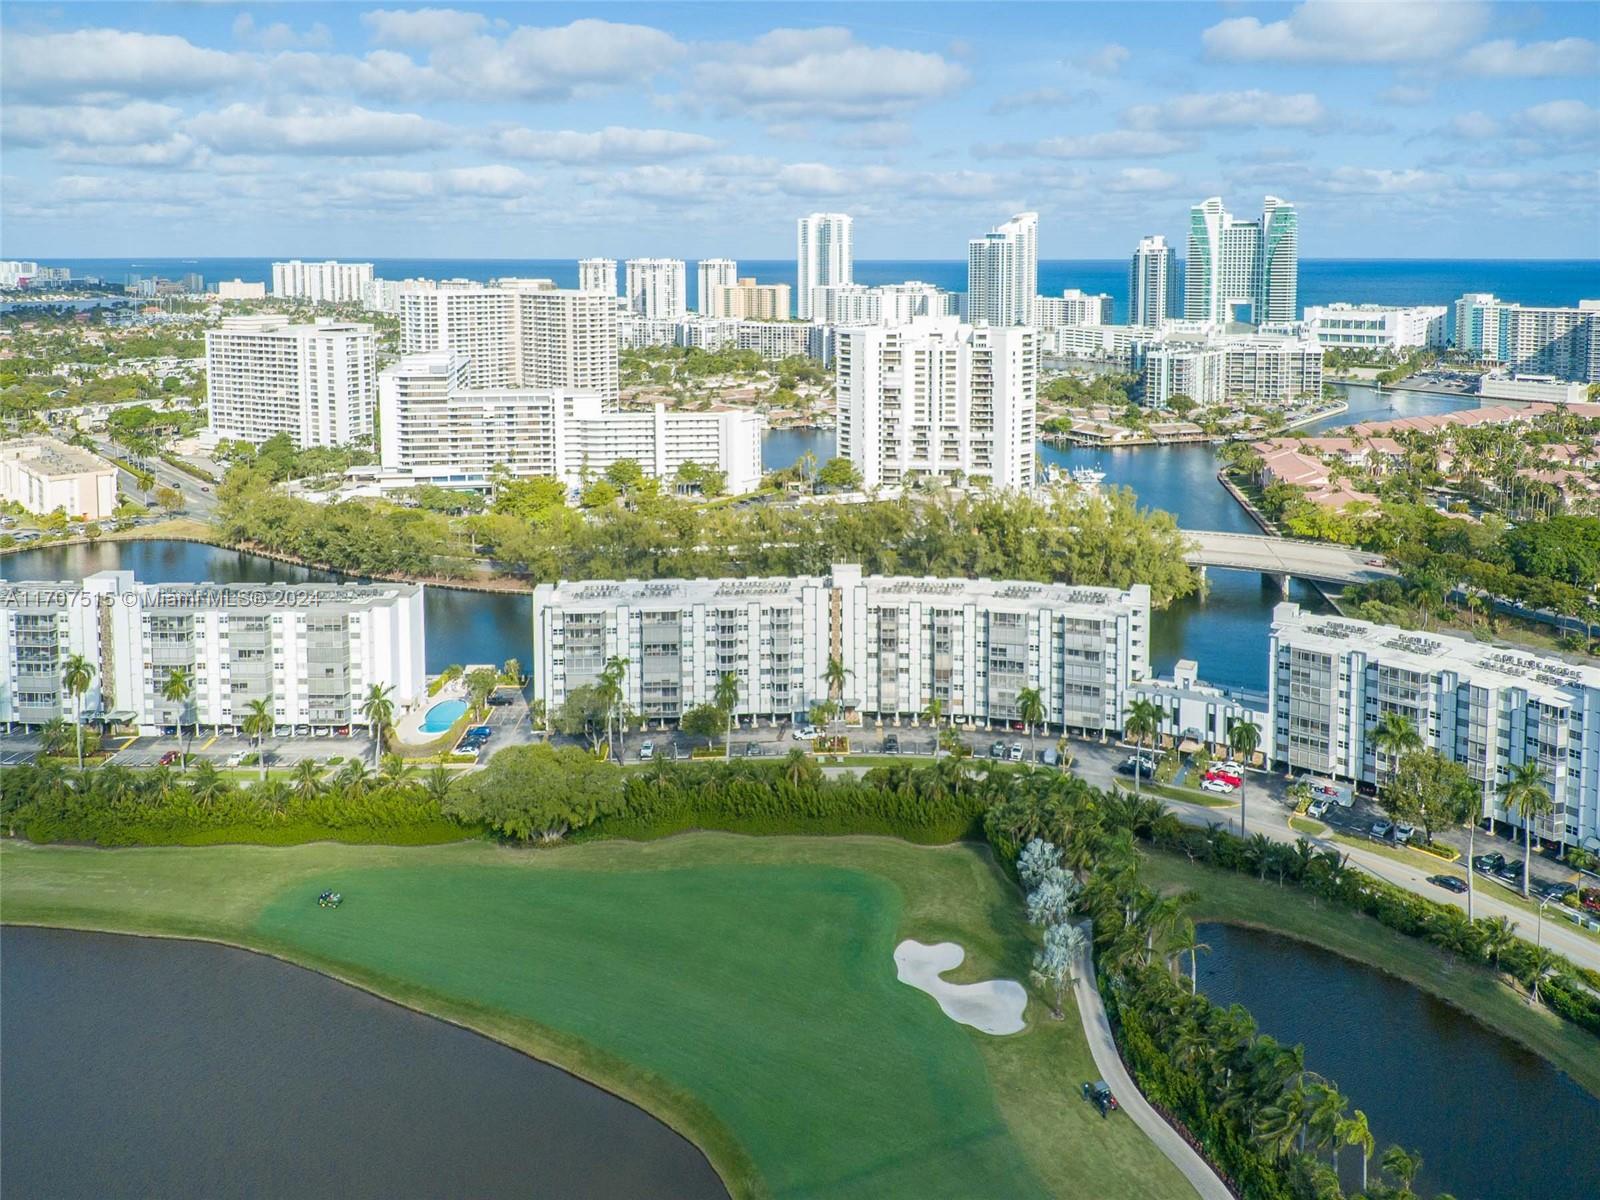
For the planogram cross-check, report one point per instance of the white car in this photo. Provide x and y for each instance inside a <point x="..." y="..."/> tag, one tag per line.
<point x="1403" y="833"/>
<point x="647" y="752"/>
<point x="1016" y="752"/>
<point x="805" y="733"/>
<point x="1318" y="807"/>
<point x="234" y="761"/>
<point x="1221" y="786"/>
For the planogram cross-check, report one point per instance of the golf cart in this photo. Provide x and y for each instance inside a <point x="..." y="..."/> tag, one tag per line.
<point x="1099" y="1093"/>
<point x="330" y="900"/>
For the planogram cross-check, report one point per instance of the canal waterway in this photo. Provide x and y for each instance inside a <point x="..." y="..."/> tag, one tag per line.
<point x="142" y="1067"/>
<point x="1225" y="629"/>
<point x="1492" y="1120"/>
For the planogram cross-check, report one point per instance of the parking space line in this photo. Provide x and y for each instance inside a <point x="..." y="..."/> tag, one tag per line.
<point x="128" y="743"/>
<point x="209" y="740"/>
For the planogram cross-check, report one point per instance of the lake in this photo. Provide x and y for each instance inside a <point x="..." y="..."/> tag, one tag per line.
<point x="1493" y="1121"/>
<point x="145" y="1067"/>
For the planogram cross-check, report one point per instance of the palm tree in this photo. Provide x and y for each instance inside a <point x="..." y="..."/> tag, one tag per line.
<point x="1403" y="1166"/>
<point x="835" y="676"/>
<point x="397" y="771"/>
<point x="178" y="689"/>
<point x="1144" y="721"/>
<point x="1526" y="793"/>
<point x="1393" y="737"/>
<point x="258" y="722"/>
<point x="55" y="736"/>
<point x="436" y="784"/>
<point x="796" y="766"/>
<point x="307" y="779"/>
<point x="271" y="795"/>
<point x="378" y="711"/>
<point x="1030" y="707"/>
<point x="1498" y="936"/>
<point x="76" y="675"/>
<point x="355" y="779"/>
<point x="1243" y="739"/>
<point x="1187" y="941"/>
<point x="1354" y="1131"/>
<point x="934" y="712"/>
<point x="611" y="695"/>
<point x="726" y="698"/>
<point x="208" y="785"/>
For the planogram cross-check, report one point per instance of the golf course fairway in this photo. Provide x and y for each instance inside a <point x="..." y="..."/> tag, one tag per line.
<point x="742" y="989"/>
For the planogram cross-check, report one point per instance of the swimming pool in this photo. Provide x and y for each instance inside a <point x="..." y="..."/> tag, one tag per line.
<point x="443" y="715"/>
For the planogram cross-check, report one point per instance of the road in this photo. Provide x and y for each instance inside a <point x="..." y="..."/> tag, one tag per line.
<point x="1131" y="1101"/>
<point x="1321" y="561"/>
<point x="197" y="502"/>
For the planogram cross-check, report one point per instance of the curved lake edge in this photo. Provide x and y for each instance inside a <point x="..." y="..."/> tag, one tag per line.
<point x="653" y="1096"/>
<point x="1421" y="982"/>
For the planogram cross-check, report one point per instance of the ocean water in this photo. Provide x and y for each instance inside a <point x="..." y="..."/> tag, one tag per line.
<point x="1322" y="280"/>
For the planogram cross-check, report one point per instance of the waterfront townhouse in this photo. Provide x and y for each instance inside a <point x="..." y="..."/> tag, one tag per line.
<point x="972" y="644"/>
<point x="311" y="650"/>
<point x="1486" y="707"/>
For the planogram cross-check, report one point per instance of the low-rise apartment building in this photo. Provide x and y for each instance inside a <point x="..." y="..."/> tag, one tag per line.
<point x="43" y="474"/>
<point x="311" y="650"/>
<point x="1378" y="327"/>
<point x="1489" y="708"/>
<point x="974" y="645"/>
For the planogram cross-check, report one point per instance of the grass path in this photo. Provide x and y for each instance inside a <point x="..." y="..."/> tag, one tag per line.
<point x="1241" y="900"/>
<point x="742" y="989"/>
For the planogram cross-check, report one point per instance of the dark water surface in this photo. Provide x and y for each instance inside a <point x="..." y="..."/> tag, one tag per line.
<point x="143" y="1067"/>
<point x="1492" y="1120"/>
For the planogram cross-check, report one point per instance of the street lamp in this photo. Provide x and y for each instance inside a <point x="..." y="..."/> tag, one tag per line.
<point x="1539" y="926"/>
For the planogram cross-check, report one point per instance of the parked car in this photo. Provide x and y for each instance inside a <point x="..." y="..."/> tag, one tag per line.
<point x="647" y="752"/>
<point x="498" y="700"/>
<point x="1403" y="833"/>
<point x="1231" y="778"/>
<point x="1133" y="764"/>
<point x="1381" y="830"/>
<point x="1319" y="807"/>
<point x="1016" y="752"/>
<point x="1221" y="786"/>
<point x="805" y="733"/>
<point x="234" y="761"/>
<point x="891" y="743"/>
<point x="1049" y="757"/>
<point x="1449" y="883"/>
<point x="170" y="757"/>
<point x="997" y="751"/>
<point x="1488" y="864"/>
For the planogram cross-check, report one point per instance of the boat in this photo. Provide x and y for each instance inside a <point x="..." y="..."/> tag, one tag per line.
<point x="1087" y="475"/>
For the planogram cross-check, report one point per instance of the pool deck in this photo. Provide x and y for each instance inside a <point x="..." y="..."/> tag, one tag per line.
<point x="408" y="729"/>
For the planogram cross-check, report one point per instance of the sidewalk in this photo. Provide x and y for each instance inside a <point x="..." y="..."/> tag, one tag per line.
<point x="1097" y="1032"/>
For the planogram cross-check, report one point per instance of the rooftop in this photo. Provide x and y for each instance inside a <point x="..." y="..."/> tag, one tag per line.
<point x="51" y="457"/>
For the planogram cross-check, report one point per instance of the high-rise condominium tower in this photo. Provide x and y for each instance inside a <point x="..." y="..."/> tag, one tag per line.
<point x="1003" y="272"/>
<point x="823" y="256"/>
<point x="1153" y="283"/>
<point x="1234" y="262"/>
<point x="711" y="274"/>
<point x="598" y="275"/>
<point x="657" y="289"/>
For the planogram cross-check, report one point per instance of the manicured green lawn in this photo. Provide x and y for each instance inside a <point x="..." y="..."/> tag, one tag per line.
<point x="1241" y="900"/>
<point x="741" y="988"/>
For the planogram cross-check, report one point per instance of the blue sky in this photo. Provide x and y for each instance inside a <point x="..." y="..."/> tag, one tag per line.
<point x="1456" y="129"/>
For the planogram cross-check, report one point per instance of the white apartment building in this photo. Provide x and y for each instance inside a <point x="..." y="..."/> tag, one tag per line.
<point x="712" y="275"/>
<point x="1378" y="327"/>
<point x="15" y="272"/>
<point x="774" y="340"/>
<point x="43" y="473"/>
<point x="516" y="332"/>
<point x="239" y="289"/>
<point x="1072" y="307"/>
<point x="1153" y="283"/>
<point x="1003" y="272"/>
<point x="311" y="650"/>
<point x="1235" y="263"/>
<point x="437" y="426"/>
<point x="1487" y="707"/>
<point x="885" y="304"/>
<point x="824" y="256"/>
<point x="745" y="300"/>
<point x="657" y="289"/>
<point x="1563" y="342"/>
<point x="265" y="376"/>
<point x="1196" y="712"/>
<point x="327" y="282"/>
<point x="598" y="275"/>
<point x="937" y="397"/>
<point x="1209" y="366"/>
<point x="1100" y="343"/>
<point x="972" y="644"/>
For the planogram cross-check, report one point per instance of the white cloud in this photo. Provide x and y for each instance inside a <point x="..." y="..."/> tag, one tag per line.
<point x="1505" y="59"/>
<point x="91" y="63"/>
<point x="86" y="124"/>
<point x="1043" y="97"/>
<point x="550" y="62"/>
<point x="1571" y="120"/>
<point x="613" y="143"/>
<point x="351" y="130"/>
<point x="1111" y="143"/>
<point x="421" y="26"/>
<point x="1107" y="60"/>
<point x="1472" y="126"/>
<point x="1382" y="181"/>
<point x="1407" y="95"/>
<point x="1235" y="110"/>
<point x="808" y="73"/>
<point x="279" y="36"/>
<point x="490" y="181"/>
<point x="1350" y="31"/>
<point x="1140" y="179"/>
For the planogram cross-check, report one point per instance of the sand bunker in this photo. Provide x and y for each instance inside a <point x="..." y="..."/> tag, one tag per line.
<point x="994" y="1006"/>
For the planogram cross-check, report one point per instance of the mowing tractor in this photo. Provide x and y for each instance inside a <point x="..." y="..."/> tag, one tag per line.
<point x="330" y="900"/>
<point x="1100" y="1095"/>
